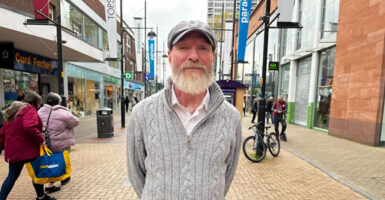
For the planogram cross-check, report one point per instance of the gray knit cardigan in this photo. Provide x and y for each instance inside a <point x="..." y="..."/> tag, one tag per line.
<point x="164" y="163"/>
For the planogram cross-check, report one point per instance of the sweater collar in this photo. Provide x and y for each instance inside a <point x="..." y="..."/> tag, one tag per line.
<point x="216" y="96"/>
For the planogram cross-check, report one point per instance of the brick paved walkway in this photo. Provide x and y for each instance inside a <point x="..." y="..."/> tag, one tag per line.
<point x="99" y="172"/>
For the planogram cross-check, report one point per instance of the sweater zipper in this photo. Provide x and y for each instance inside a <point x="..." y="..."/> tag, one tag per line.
<point x="204" y="119"/>
<point x="188" y="144"/>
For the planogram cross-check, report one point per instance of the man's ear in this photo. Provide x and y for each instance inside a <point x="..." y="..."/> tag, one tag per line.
<point x="214" y="56"/>
<point x="169" y="56"/>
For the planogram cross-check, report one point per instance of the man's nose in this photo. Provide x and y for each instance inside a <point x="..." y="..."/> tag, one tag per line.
<point x="193" y="56"/>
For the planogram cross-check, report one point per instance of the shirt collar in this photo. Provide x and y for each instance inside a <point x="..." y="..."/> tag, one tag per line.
<point x="205" y="101"/>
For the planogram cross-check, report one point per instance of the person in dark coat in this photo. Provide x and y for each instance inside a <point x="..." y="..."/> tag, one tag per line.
<point x="20" y="95"/>
<point x="254" y="109"/>
<point x="268" y="110"/>
<point x="127" y="102"/>
<point x="21" y="139"/>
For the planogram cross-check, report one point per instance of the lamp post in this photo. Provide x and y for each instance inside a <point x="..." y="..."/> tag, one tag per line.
<point x="262" y="102"/>
<point x="150" y="34"/>
<point x="164" y="56"/>
<point x="122" y="110"/>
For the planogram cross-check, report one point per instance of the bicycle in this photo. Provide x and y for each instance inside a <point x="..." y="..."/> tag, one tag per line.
<point x="254" y="147"/>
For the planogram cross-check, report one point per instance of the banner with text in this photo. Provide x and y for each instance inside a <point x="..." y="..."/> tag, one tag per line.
<point x="151" y="56"/>
<point x="244" y="16"/>
<point x="138" y="43"/>
<point x="227" y="48"/>
<point x="110" y="8"/>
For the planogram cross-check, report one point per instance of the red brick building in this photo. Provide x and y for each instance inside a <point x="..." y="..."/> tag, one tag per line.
<point x="332" y="70"/>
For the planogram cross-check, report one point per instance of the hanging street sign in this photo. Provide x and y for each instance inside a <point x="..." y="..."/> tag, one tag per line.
<point x="273" y="66"/>
<point x="128" y="75"/>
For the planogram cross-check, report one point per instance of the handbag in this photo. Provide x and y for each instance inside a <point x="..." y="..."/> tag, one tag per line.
<point x="45" y="131"/>
<point x="49" y="167"/>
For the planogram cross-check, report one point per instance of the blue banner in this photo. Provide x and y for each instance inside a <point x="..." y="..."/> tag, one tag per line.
<point x="151" y="56"/>
<point x="244" y="16"/>
<point x="133" y="86"/>
<point x="33" y="63"/>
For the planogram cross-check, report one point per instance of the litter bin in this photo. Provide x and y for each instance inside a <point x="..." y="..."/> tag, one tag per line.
<point x="105" y="123"/>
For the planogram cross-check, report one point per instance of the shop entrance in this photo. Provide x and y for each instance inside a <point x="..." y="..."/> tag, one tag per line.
<point x="109" y="91"/>
<point x="302" y="92"/>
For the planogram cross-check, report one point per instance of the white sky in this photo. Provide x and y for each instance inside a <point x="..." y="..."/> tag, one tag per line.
<point x="164" y="14"/>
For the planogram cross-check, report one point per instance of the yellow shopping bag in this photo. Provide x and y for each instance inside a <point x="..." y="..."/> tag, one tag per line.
<point x="49" y="167"/>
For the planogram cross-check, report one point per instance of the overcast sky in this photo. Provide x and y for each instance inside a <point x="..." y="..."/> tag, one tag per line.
<point x="164" y="14"/>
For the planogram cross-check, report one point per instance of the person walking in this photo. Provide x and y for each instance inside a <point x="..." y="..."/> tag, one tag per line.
<point x="21" y="139"/>
<point x="184" y="142"/>
<point x="254" y="109"/>
<point x="127" y="102"/>
<point x="269" y="114"/>
<point x="279" y="113"/>
<point x="61" y="124"/>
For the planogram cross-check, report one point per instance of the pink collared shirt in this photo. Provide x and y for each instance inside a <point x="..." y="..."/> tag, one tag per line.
<point x="190" y="120"/>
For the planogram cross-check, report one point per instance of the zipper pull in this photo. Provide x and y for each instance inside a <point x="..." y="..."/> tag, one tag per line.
<point x="189" y="142"/>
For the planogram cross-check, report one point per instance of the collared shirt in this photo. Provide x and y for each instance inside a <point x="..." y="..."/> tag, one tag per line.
<point x="190" y="120"/>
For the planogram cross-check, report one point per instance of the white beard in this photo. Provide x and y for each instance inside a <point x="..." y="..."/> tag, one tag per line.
<point x="195" y="82"/>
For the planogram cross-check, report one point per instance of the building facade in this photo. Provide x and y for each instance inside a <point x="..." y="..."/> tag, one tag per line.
<point x="331" y="70"/>
<point x="90" y="82"/>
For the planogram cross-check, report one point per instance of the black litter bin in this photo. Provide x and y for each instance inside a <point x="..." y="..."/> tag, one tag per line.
<point x="105" y="123"/>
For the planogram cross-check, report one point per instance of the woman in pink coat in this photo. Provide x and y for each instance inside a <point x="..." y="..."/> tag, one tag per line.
<point x="60" y="128"/>
<point x="21" y="138"/>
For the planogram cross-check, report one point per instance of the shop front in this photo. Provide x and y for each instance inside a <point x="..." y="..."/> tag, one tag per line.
<point x="324" y="89"/>
<point x="24" y="73"/>
<point x="111" y="88"/>
<point x="83" y="90"/>
<point x="302" y="92"/>
<point x="133" y="89"/>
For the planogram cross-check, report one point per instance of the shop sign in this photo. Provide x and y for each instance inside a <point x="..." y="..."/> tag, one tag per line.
<point x="133" y="86"/>
<point x="128" y="75"/>
<point x="28" y="62"/>
<point x="109" y="79"/>
<point x="273" y="66"/>
<point x="6" y="55"/>
<point x="110" y="10"/>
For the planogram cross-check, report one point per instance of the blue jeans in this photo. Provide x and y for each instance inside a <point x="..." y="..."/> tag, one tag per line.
<point x="277" y="120"/>
<point x="15" y="169"/>
<point x="269" y="116"/>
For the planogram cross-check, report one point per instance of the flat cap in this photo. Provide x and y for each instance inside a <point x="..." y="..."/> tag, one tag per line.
<point x="184" y="27"/>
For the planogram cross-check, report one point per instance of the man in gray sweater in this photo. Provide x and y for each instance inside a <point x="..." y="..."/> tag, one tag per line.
<point x="184" y="142"/>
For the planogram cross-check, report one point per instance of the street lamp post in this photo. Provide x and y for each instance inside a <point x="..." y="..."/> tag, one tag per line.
<point x="122" y="110"/>
<point x="262" y="102"/>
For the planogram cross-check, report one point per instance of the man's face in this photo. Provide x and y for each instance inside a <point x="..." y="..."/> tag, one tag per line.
<point x="280" y="99"/>
<point x="191" y="62"/>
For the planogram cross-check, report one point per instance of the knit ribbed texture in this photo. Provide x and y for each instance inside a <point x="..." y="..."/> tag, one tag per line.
<point x="163" y="163"/>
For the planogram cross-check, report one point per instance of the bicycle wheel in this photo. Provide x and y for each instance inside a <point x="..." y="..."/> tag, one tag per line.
<point x="254" y="151"/>
<point x="273" y="144"/>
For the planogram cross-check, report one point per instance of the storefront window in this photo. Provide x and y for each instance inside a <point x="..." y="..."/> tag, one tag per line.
<point x="76" y="91"/>
<point x="93" y="92"/>
<point x="76" y="21"/>
<point x="13" y="80"/>
<point x="90" y="31"/>
<point x="329" y="17"/>
<point x="284" y="81"/>
<point x="307" y="14"/>
<point x="111" y="90"/>
<point x="324" y="90"/>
